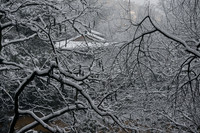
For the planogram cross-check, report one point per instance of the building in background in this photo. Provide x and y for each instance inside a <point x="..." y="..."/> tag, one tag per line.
<point x="88" y="39"/>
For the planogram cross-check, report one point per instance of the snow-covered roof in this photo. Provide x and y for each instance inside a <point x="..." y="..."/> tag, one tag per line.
<point x="94" y="37"/>
<point x="78" y="44"/>
<point x="96" y="32"/>
<point x="89" y="39"/>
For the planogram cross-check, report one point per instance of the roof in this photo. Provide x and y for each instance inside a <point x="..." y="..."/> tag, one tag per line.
<point x="78" y="44"/>
<point x="89" y="39"/>
<point x="92" y="35"/>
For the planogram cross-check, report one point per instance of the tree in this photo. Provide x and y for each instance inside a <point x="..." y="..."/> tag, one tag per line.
<point x="147" y="82"/>
<point x="36" y="75"/>
<point x="160" y="66"/>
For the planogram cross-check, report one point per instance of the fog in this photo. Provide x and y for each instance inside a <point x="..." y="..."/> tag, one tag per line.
<point x="145" y="1"/>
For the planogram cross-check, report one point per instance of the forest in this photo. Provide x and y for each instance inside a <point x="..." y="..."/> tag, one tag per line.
<point x="99" y="66"/>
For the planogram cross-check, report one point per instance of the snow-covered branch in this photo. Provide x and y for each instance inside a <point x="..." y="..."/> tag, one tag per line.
<point x="77" y="78"/>
<point x="186" y="128"/>
<point x="88" y="98"/>
<point x="28" y="4"/>
<point x="5" y="25"/>
<point x="12" y="64"/>
<point x="51" y="116"/>
<point x="176" y="39"/>
<point x="19" y="90"/>
<point x="39" y="121"/>
<point x="18" y="40"/>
